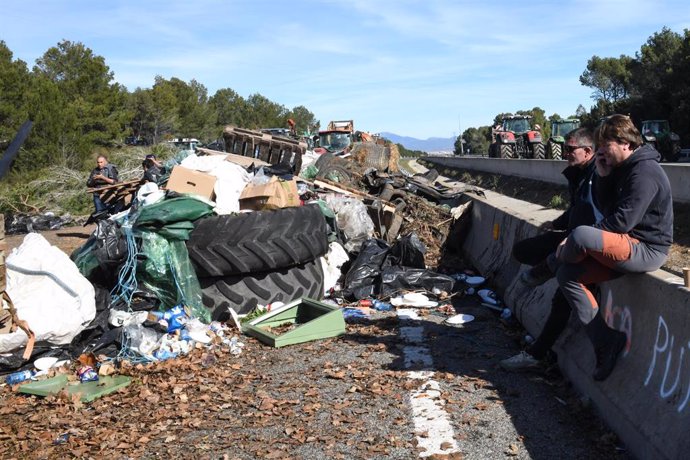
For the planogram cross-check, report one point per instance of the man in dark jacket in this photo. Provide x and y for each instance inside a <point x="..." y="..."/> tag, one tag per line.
<point x="578" y="150"/>
<point x="633" y="237"/>
<point x="103" y="174"/>
<point x="153" y="170"/>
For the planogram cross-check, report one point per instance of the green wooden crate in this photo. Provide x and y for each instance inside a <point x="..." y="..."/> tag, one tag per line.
<point x="312" y="319"/>
<point x="87" y="391"/>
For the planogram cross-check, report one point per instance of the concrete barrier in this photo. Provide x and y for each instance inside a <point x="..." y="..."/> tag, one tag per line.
<point x="550" y="171"/>
<point x="646" y="400"/>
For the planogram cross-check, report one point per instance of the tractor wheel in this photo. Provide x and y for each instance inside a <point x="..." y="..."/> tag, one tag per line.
<point x="674" y="154"/>
<point x="335" y="172"/>
<point x="507" y="151"/>
<point x="555" y="151"/>
<point x="243" y="293"/>
<point x="538" y="151"/>
<point x="258" y="241"/>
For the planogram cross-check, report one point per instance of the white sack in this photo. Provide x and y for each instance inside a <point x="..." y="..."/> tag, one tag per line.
<point x="57" y="303"/>
<point x="231" y="179"/>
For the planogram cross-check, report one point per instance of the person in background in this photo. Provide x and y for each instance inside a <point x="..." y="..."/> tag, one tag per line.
<point x="578" y="151"/>
<point x="102" y="175"/>
<point x="153" y="169"/>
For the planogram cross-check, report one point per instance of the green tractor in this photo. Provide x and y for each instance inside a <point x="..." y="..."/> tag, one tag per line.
<point x="559" y="129"/>
<point x="659" y="134"/>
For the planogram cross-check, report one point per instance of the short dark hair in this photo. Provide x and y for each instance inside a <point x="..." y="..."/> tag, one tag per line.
<point x="618" y="128"/>
<point x="583" y="137"/>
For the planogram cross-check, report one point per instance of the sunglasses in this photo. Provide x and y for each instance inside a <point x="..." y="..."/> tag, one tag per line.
<point x="572" y="148"/>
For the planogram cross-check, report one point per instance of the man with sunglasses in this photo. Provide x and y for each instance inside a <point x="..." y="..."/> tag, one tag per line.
<point x="578" y="151"/>
<point x="634" y="236"/>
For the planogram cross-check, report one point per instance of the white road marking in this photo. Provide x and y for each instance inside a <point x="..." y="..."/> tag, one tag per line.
<point x="434" y="432"/>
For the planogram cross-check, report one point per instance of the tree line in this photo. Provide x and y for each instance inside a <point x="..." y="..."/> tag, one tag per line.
<point x="76" y="106"/>
<point x="653" y="84"/>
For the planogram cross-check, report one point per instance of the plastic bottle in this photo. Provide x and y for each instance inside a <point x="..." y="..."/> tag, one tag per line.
<point x="19" y="377"/>
<point x="382" y="306"/>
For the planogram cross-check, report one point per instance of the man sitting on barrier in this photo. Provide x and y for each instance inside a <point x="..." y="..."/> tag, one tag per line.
<point x="578" y="151"/>
<point x="634" y="237"/>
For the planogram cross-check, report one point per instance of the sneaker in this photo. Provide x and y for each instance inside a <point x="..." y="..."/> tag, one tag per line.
<point x="520" y="362"/>
<point x="607" y="356"/>
<point x="537" y="275"/>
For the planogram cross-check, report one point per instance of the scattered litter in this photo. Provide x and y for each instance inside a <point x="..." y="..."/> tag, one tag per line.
<point x="61" y="439"/>
<point x="414" y="299"/>
<point x="472" y="281"/>
<point x="488" y="296"/>
<point x="354" y="313"/>
<point x="382" y="306"/>
<point x="43" y="364"/>
<point x="460" y="319"/>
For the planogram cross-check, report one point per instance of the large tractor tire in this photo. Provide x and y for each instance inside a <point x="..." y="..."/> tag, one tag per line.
<point x="555" y="151"/>
<point x="335" y="171"/>
<point x="506" y="151"/>
<point x="538" y="152"/>
<point x="673" y="153"/>
<point x="244" y="293"/>
<point x="258" y="241"/>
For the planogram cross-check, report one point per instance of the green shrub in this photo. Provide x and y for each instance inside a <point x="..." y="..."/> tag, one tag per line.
<point x="558" y="202"/>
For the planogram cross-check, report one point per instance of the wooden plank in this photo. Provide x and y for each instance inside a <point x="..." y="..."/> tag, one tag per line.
<point x="114" y="186"/>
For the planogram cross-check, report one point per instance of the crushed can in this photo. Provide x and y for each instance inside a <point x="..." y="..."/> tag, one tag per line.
<point x="19" y="377"/>
<point x="87" y="374"/>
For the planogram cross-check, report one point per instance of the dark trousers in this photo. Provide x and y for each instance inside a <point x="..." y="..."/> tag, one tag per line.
<point x="98" y="203"/>
<point x="533" y="251"/>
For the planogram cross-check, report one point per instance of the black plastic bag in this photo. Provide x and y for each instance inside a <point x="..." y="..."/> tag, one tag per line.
<point x="396" y="279"/>
<point x="408" y="251"/>
<point x="362" y="279"/>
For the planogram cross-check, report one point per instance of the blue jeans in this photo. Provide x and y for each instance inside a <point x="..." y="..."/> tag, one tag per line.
<point x="98" y="203"/>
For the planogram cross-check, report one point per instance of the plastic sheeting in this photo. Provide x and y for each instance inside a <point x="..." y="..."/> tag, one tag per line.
<point x="48" y="292"/>
<point x="167" y="272"/>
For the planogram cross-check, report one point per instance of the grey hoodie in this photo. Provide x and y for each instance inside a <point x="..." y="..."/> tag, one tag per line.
<point x="642" y="205"/>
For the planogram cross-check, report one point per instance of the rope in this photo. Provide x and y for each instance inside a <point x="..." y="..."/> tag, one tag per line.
<point x="126" y="281"/>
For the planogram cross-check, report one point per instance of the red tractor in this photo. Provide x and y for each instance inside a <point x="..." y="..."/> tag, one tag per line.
<point x="516" y="139"/>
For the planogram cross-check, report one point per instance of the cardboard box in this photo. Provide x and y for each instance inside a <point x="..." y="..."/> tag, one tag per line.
<point x="184" y="180"/>
<point x="277" y="193"/>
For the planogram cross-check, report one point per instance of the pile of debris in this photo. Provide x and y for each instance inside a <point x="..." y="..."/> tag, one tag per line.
<point x="230" y="244"/>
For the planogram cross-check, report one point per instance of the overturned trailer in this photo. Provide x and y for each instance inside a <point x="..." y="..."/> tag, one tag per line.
<point x="267" y="147"/>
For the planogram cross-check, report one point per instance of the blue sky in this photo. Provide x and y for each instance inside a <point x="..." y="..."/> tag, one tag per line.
<point x="415" y="68"/>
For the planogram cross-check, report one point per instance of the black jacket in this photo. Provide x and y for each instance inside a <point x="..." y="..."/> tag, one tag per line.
<point x="642" y="207"/>
<point x="109" y="171"/>
<point x="580" y="210"/>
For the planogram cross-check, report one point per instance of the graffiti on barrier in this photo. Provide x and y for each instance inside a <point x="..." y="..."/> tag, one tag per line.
<point x="617" y="317"/>
<point x="668" y="355"/>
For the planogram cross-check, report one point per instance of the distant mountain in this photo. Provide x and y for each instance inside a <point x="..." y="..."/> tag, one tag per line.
<point x="433" y="144"/>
